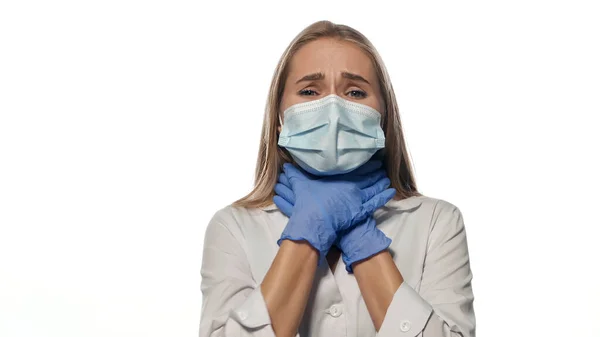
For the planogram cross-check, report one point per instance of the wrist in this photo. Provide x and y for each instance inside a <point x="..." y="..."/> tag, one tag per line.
<point x="363" y="245"/>
<point x="320" y="237"/>
<point x="301" y="249"/>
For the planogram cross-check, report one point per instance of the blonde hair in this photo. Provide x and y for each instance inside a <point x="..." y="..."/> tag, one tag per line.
<point x="272" y="157"/>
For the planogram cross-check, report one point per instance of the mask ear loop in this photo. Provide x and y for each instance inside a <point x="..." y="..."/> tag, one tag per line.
<point x="380" y="154"/>
<point x="283" y="149"/>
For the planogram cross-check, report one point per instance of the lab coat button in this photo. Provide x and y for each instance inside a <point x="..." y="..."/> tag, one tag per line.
<point x="243" y="315"/>
<point x="405" y="326"/>
<point x="335" y="310"/>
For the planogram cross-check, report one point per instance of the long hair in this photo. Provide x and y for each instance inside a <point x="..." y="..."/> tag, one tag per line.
<point x="271" y="157"/>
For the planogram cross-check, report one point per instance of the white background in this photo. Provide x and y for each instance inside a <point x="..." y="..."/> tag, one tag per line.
<point x="124" y="125"/>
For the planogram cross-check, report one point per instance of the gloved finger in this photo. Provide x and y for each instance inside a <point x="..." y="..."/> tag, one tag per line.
<point x="375" y="189"/>
<point x="294" y="173"/>
<point x="286" y="193"/>
<point x="284" y="206"/>
<point x="366" y="168"/>
<point x="284" y="180"/>
<point x="370" y="179"/>
<point x="379" y="200"/>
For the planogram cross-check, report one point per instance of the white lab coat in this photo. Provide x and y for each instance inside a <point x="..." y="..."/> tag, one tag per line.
<point x="429" y="247"/>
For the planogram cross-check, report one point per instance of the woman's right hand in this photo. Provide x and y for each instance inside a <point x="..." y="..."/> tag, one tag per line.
<point x="324" y="206"/>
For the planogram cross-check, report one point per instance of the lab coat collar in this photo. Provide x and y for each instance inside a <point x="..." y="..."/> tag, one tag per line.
<point x="406" y="204"/>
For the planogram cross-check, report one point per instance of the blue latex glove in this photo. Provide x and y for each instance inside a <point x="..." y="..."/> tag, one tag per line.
<point x="356" y="242"/>
<point x="361" y="242"/>
<point x="320" y="208"/>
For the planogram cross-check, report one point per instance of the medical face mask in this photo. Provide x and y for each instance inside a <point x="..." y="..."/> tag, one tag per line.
<point x="331" y="135"/>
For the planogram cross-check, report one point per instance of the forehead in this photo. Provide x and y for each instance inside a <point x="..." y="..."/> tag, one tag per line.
<point x="327" y="55"/>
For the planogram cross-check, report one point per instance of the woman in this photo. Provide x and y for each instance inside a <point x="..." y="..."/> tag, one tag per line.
<point x="331" y="147"/>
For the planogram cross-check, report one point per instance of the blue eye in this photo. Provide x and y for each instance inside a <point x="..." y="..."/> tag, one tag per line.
<point x="361" y="93"/>
<point x="301" y="92"/>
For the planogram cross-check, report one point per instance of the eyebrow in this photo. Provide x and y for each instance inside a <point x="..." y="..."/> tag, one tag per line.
<point x="321" y="76"/>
